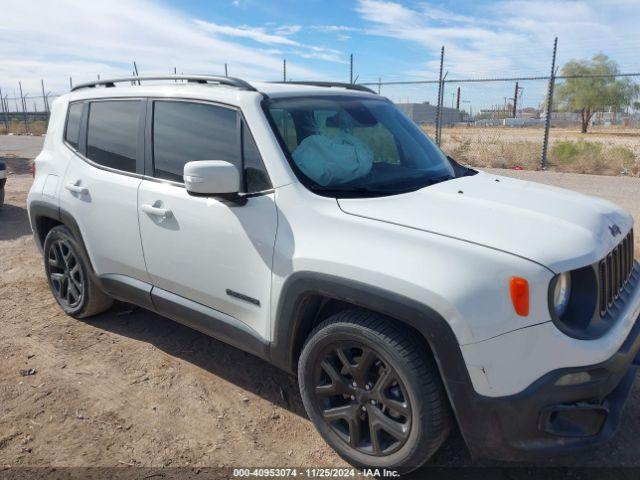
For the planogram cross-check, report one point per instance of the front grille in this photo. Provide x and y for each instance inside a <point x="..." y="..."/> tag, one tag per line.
<point x="614" y="272"/>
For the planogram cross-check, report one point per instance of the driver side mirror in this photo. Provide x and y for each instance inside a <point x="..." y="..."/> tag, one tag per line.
<point x="211" y="177"/>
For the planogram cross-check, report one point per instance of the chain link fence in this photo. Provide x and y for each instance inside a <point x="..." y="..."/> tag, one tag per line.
<point x="593" y="124"/>
<point x="25" y="114"/>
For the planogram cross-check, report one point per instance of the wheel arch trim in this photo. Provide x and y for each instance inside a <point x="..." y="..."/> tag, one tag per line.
<point x="301" y="286"/>
<point x="39" y="209"/>
<point x="436" y="331"/>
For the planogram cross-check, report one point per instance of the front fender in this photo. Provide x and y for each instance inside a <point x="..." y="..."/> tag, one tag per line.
<point x="437" y="332"/>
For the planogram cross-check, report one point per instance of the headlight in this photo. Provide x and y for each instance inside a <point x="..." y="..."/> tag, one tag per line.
<point x="562" y="293"/>
<point x="573" y="303"/>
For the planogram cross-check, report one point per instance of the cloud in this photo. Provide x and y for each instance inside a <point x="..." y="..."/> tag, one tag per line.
<point x="280" y="37"/>
<point x="340" y="32"/>
<point x="288" y="29"/>
<point x="327" y="56"/>
<point x="506" y="38"/>
<point x="334" y="28"/>
<point x="55" y="40"/>
<point x="243" y="31"/>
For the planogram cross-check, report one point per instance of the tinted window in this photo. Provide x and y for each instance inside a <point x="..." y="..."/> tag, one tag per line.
<point x="184" y="132"/>
<point x="72" y="129"/>
<point x="287" y="128"/>
<point x="254" y="171"/>
<point x="112" y="136"/>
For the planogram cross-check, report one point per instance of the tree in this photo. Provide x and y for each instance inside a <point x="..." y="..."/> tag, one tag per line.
<point x="587" y="95"/>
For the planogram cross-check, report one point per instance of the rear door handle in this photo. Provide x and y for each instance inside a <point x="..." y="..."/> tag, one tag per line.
<point x="72" y="187"/>
<point x="156" y="211"/>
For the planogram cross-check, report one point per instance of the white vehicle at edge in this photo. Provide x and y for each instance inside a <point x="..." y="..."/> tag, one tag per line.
<point x="316" y="227"/>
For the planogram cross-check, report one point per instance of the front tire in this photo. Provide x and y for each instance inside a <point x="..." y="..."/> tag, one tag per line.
<point x="373" y="391"/>
<point x="68" y="275"/>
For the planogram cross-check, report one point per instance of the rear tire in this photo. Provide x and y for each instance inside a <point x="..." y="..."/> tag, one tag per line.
<point x="68" y="274"/>
<point x="373" y="391"/>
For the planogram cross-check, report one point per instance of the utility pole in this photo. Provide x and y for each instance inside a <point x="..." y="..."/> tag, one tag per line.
<point x="379" y="84"/>
<point x="284" y="70"/>
<point x="515" y="101"/>
<point x="547" y="122"/>
<point x="351" y="68"/>
<point x="70" y="83"/>
<point x="226" y="70"/>
<point x="440" y="88"/>
<point x="458" y="100"/>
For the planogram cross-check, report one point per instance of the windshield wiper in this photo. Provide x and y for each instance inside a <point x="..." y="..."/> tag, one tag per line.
<point x="354" y="189"/>
<point x="442" y="178"/>
<point x="363" y="189"/>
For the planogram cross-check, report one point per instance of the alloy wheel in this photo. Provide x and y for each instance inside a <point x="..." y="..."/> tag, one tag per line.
<point x="65" y="274"/>
<point x="362" y="399"/>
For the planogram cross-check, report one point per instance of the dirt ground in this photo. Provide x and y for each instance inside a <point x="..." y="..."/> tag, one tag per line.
<point x="610" y="151"/>
<point x="131" y="388"/>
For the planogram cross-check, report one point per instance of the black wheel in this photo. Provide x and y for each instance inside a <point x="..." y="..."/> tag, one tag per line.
<point x="373" y="392"/>
<point x="2" y="184"/>
<point x="67" y="272"/>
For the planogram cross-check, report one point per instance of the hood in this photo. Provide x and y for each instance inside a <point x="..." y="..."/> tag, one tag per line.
<point x="557" y="228"/>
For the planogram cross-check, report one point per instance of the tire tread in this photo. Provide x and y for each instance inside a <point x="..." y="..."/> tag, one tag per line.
<point x="424" y="371"/>
<point x="96" y="300"/>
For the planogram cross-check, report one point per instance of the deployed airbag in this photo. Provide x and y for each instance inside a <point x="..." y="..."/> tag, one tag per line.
<point x="333" y="160"/>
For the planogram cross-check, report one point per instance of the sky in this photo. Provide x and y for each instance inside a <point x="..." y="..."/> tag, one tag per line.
<point x="390" y="40"/>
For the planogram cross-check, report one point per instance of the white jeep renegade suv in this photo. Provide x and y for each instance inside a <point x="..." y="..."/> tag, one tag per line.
<point x="315" y="226"/>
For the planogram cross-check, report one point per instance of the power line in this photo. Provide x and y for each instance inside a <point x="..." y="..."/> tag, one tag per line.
<point x="505" y="79"/>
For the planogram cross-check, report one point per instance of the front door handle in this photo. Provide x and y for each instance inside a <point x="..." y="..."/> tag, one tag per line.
<point x="72" y="187"/>
<point x="156" y="211"/>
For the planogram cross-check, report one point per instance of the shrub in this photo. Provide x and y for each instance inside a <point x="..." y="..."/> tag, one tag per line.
<point x="592" y="157"/>
<point x="566" y="151"/>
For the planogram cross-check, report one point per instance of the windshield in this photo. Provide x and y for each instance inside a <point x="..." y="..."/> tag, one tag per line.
<point x="352" y="146"/>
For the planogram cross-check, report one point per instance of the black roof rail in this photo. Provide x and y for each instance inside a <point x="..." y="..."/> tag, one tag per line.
<point x="348" y="86"/>
<point x="220" y="80"/>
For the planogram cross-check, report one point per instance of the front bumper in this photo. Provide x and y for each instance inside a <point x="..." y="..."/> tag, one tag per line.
<point x="569" y="407"/>
<point x="551" y="418"/>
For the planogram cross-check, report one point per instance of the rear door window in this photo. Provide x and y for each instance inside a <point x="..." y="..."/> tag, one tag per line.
<point x="112" y="133"/>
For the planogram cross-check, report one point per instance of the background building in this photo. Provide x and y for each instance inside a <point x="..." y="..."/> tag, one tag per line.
<point x="426" y="113"/>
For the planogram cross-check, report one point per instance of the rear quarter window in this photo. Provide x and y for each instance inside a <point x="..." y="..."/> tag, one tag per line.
<point x="72" y="126"/>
